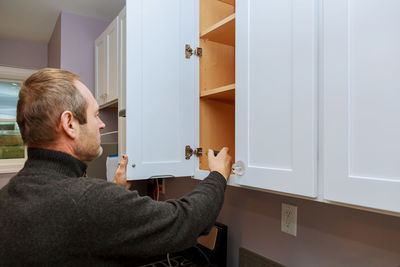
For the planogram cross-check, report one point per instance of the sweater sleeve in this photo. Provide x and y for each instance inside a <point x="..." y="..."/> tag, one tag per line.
<point x="121" y="224"/>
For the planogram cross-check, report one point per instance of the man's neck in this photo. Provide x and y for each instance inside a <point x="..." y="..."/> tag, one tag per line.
<point x="61" y="146"/>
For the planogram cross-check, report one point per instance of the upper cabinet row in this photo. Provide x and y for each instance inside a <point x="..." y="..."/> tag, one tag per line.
<point x="106" y="64"/>
<point x="304" y="93"/>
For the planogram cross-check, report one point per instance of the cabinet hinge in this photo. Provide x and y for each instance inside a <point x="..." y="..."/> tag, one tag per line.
<point x="198" y="51"/>
<point x="122" y="113"/>
<point x="189" y="152"/>
<point x="189" y="51"/>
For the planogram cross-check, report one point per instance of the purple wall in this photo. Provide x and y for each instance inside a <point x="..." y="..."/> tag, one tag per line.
<point x="77" y="55"/>
<point x="23" y="54"/>
<point x="71" y="47"/>
<point x="77" y="45"/>
<point x="327" y="235"/>
<point x="54" y="46"/>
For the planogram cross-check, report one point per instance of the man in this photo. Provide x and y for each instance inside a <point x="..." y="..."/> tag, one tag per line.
<point x="51" y="215"/>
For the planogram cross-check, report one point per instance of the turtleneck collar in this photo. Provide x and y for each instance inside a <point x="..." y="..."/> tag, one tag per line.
<point x="58" y="161"/>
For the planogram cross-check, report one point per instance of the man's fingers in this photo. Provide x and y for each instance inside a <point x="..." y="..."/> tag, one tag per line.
<point x="224" y="151"/>
<point x="211" y="153"/>
<point x="120" y="174"/>
<point x="124" y="161"/>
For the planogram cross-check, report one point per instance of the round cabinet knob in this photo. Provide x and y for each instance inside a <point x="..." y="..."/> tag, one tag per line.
<point x="133" y="165"/>
<point x="238" y="168"/>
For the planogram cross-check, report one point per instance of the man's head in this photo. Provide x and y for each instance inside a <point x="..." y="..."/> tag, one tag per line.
<point x="56" y="111"/>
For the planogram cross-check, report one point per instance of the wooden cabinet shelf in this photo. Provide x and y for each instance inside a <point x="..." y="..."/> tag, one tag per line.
<point x="221" y="93"/>
<point x="217" y="77"/>
<point x="112" y="105"/>
<point x="231" y="2"/>
<point x="108" y="133"/>
<point x="222" y="31"/>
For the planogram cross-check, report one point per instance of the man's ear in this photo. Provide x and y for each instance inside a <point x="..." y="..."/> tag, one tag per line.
<point x="69" y="124"/>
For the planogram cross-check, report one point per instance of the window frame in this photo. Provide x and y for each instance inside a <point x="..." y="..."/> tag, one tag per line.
<point x="14" y="75"/>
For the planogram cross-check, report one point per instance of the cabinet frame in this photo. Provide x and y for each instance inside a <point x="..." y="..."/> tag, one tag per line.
<point x="105" y="93"/>
<point x="234" y="180"/>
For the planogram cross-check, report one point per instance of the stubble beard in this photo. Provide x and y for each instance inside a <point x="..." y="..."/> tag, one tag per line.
<point x="86" y="149"/>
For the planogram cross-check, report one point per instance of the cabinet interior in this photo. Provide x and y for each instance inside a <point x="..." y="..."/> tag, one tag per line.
<point x="108" y="114"/>
<point x="217" y="77"/>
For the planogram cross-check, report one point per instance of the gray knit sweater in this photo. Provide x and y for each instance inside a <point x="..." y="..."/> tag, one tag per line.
<point x="52" y="216"/>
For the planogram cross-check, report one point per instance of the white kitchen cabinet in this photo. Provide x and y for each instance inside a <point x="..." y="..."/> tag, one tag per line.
<point x="294" y="88"/>
<point x="276" y="91"/>
<point x="106" y="65"/>
<point x="174" y="101"/>
<point x="160" y="87"/>
<point x="101" y="69"/>
<point x="361" y="93"/>
<point x="122" y="82"/>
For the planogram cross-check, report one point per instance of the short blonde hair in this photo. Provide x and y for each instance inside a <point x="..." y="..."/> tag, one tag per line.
<point x="43" y="97"/>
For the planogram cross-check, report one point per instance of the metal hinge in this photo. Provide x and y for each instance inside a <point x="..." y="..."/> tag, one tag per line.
<point x="122" y="113"/>
<point x="189" y="51"/>
<point x="189" y="152"/>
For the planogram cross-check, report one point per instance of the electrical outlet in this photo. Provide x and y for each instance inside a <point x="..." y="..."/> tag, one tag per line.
<point x="289" y="219"/>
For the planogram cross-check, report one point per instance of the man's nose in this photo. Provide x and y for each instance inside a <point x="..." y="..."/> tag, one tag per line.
<point x="102" y="125"/>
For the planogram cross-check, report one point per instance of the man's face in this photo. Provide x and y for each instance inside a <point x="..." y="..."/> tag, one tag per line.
<point x="88" y="141"/>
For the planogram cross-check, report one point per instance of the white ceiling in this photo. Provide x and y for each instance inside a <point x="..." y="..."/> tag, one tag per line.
<point x="34" y="20"/>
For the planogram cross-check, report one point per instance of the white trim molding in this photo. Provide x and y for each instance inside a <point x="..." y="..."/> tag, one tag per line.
<point x="11" y="165"/>
<point x="15" y="73"/>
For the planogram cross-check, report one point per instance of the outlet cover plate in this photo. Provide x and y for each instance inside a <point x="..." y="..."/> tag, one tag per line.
<point x="289" y="219"/>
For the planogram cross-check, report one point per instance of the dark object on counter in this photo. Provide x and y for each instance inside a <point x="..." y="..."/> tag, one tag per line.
<point x="209" y="252"/>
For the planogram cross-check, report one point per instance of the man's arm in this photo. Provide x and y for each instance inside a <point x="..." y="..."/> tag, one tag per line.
<point x="120" y="223"/>
<point x="220" y="163"/>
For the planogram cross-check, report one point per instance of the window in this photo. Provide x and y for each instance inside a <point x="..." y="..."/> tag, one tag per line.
<point x="12" y="149"/>
<point x="11" y="145"/>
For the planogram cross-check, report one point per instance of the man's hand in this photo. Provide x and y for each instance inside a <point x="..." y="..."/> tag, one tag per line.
<point x="221" y="163"/>
<point x="120" y="174"/>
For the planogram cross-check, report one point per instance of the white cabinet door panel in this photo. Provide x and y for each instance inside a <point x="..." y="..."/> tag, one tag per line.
<point x="160" y="87"/>
<point x="122" y="59"/>
<point x="276" y="78"/>
<point x="101" y="68"/>
<point x="122" y="81"/>
<point x="361" y="103"/>
<point x="112" y="54"/>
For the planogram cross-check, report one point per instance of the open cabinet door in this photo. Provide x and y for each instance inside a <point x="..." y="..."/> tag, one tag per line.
<point x="159" y="87"/>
